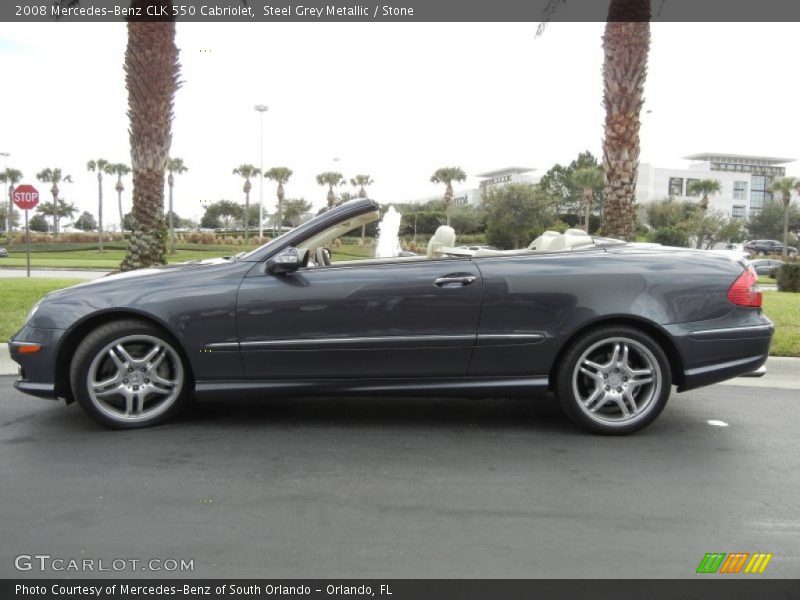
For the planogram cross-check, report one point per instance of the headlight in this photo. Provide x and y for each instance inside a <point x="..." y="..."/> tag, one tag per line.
<point x="33" y="311"/>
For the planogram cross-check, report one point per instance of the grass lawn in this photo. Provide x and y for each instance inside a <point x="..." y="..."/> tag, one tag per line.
<point x="18" y="295"/>
<point x="767" y="279"/>
<point x="784" y="310"/>
<point x="110" y="259"/>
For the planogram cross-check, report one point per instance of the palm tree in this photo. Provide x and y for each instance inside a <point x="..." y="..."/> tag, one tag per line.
<point x="590" y="179"/>
<point x="174" y="166"/>
<point x="120" y="170"/>
<point x="53" y="176"/>
<point x="12" y="177"/>
<point x="626" y="44"/>
<point x="280" y="175"/>
<point x="447" y="175"/>
<point x="784" y="186"/>
<point x="100" y="165"/>
<point x="330" y="178"/>
<point x="360" y="181"/>
<point x="57" y="210"/>
<point x="152" y="77"/>
<point x="704" y="187"/>
<point x="247" y="171"/>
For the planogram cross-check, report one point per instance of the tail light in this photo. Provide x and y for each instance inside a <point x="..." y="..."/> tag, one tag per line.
<point x="745" y="290"/>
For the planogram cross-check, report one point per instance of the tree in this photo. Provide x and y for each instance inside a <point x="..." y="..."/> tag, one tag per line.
<point x="86" y="222"/>
<point x="294" y="209"/>
<point x="56" y="210"/>
<point x="590" y="180"/>
<point x="247" y="171"/>
<point x="768" y="222"/>
<point x="38" y="223"/>
<point x="704" y="188"/>
<point x="280" y="175"/>
<point x="53" y="176"/>
<point x="447" y="175"/>
<point x="4" y="214"/>
<point x="222" y="214"/>
<point x="516" y="214"/>
<point x="152" y="77"/>
<point x="120" y="170"/>
<point x="361" y="181"/>
<point x="784" y="187"/>
<point x="101" y="166"/>
<point x="626" y="44"/>
<point x="558" y="185"/>
<point x="175" y="166"/>
<point x="330" y="178"/>
<point x="12" y="177"/>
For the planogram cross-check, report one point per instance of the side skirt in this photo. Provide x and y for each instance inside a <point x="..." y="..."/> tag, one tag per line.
<point x="459" y="387"/>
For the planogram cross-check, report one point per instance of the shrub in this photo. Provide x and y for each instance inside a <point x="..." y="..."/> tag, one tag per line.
<point x="789" y="277"/>
<point x="670" y="236"/>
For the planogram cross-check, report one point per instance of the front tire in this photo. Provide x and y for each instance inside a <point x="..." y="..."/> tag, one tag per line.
<point x="128" y="374"/>
<point x="614" y="380"/>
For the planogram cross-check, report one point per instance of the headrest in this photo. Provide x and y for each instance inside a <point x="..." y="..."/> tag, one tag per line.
<point x="445" y="237"/>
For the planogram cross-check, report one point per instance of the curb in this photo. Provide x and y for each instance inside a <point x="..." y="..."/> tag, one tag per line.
<point x="782" y="372"/>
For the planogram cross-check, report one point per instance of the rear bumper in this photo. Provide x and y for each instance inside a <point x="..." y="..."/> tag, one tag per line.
<point x="712" y="352"/>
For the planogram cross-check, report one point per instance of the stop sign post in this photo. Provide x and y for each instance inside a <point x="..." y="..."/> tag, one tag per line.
<point x="26" y="197"/>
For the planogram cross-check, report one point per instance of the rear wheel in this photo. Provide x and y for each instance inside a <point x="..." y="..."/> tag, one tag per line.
<point x="614" y="380"/>
<point x="128" y="374"/>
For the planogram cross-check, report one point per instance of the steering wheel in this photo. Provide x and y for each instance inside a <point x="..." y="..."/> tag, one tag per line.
<point x="322" y="256"/>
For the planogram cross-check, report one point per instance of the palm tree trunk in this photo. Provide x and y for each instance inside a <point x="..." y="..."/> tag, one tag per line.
<point x="99" y="212"/>
<point x="626" y="44"/>
<point x="587" y="199"/>
<point x="119" y="203"/>
<point x="246" y="215"/>
<point x="55" y="214"/>
<point x="171" y="225"/>
<point x="151" y="76"/>
<point x="448" y="199"/>
<point x="787" y="199"/>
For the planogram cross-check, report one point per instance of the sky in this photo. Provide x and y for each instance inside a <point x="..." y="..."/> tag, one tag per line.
<point x="392" y="100"/>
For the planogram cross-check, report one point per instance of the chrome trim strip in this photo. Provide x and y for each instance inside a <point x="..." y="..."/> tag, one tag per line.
<point x="732" y="329"/>
<point x="355" y="340"/>
<point x="511" y="336"/>
<point x="23" y="344"/>
<point x="223" y="346"/>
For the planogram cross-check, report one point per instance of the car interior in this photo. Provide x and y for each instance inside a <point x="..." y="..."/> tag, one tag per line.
<point x="317" y="249"/>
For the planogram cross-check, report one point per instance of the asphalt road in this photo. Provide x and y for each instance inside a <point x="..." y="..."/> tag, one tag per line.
<point x="405" y="488"/>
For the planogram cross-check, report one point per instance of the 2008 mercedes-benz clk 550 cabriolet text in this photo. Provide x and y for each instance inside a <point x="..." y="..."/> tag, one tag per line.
<point x="609" y="327"/>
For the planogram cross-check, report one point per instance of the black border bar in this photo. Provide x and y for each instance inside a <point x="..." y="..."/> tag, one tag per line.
<point x="314" y="11"/>
<point x="709" y="587"/>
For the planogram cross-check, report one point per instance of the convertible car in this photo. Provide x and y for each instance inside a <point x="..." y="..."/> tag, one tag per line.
<point x="608" y="327"/>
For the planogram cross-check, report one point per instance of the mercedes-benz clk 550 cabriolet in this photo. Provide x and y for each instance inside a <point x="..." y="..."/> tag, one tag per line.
<point x="608" y="327"/>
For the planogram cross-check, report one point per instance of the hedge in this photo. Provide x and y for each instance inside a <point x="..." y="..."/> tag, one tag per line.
<point x="789" y="277"/>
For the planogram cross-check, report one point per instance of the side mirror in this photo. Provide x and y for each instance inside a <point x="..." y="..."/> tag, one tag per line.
<point x="288" y="261"/>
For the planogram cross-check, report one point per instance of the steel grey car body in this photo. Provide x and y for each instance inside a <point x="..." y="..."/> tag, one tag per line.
<point x="377" y="327"/>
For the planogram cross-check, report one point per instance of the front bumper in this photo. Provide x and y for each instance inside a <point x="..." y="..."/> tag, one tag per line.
<point x="37" y="371"/>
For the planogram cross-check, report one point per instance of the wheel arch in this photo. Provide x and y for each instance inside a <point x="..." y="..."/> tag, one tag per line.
<point x="648" y="327"/>
<point x="80" y="330"/>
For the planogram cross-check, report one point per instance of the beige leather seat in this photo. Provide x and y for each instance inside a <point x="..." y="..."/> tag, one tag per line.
<point x="444" y="239"/>
<point x="543" y="242"/>
<point x="571" y="238"/>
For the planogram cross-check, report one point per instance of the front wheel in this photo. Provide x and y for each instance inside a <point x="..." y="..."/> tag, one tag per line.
<point x="614" y="380"/>
<point x="128" y="374"/>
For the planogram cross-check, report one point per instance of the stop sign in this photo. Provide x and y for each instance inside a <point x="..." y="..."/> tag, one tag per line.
<point x="26" y="197"/>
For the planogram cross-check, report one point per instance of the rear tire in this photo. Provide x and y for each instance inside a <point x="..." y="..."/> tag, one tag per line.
<point x="614" y="380"/>
<point x="129" y="374"/>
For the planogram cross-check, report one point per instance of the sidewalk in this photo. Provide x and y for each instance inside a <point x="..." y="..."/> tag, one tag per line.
<point x="58" y="273"/>
<point x="782" y="372"/>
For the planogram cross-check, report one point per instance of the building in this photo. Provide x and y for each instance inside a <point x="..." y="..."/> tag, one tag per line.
<point x="745" y="181"/>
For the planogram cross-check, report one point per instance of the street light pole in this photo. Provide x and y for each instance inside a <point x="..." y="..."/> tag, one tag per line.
<point x="261" y="108"/>
<point x="5" y="156"/>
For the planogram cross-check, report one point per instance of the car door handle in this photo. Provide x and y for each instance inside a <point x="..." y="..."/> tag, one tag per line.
<point x="454" y="280"/>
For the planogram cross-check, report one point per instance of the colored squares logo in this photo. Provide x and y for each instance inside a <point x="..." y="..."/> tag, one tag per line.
<point x="734" y="562"/>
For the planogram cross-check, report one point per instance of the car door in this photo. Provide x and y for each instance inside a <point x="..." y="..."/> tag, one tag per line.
<point x="384" y="319"/>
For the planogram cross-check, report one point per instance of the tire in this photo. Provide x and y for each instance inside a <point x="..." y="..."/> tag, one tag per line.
<point x="605" y="389"/>
<point x="129" y="374"/>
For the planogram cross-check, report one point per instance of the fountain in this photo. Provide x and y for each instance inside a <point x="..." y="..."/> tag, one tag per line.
<point x="388" y="244"/>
